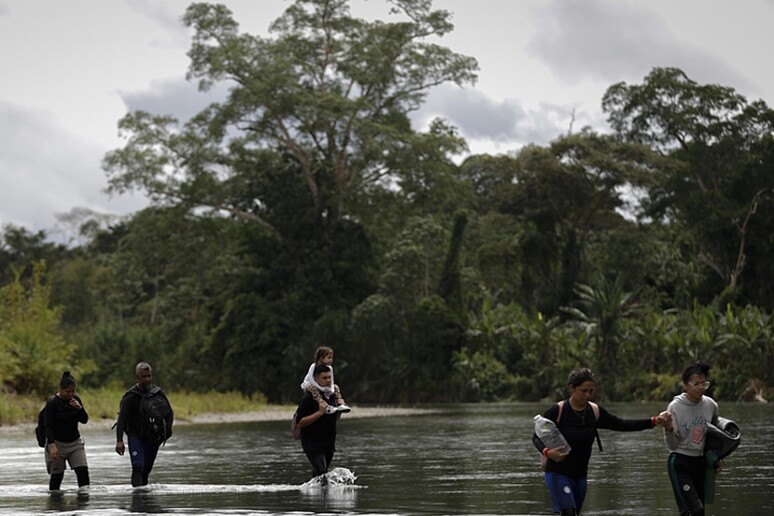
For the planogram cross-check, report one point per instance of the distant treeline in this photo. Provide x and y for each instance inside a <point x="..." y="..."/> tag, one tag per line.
<point x="306" y="210"/>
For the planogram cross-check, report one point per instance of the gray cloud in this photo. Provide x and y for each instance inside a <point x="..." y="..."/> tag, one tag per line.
<point x="611" y="41"/>
<point x="174" y="96"/>
<point x="167" y="19"/>
<point x="473" y="113"/>
<point x="505" y="122"/>
<point x="45" y="170"/>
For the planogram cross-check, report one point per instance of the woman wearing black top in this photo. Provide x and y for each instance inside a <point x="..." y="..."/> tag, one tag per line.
<point x="566" y="474"/>
<point x="63" y="412"/>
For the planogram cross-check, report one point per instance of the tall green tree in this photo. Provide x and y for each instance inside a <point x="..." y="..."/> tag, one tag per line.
<point x="450" y="285"/>
<point x="719" y="187"/>
<point x="314" y="131"/>
<point x="33" y="350"/>
<point x="20" y="249"/>
<point x="330" y="91"/>
<point x="562" y="195"/>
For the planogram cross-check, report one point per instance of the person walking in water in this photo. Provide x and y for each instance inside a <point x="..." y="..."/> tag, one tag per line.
<point x="145" y="430"/>
<point x="685" y="437"/>
<point x="62" y="413"/>
<point x="324" y="356"/>
<point x="578" y="419"/>
<point x="318" y="425"/>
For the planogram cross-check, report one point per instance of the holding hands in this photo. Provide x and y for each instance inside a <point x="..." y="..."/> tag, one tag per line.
<point x="664" y="420"/>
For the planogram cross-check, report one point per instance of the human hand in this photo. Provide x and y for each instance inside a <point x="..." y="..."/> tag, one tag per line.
<point x="719" y="466"/>
<point x="74" y="404"/>
<point x="120" y="447"/>
<point x="53" y="451"/>
<point x="664" y="420"/>
<point x="557" y="454"/>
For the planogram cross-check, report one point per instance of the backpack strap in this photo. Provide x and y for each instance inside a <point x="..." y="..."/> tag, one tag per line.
<point x="155" y="389"/>
<point x="594" y="409"/>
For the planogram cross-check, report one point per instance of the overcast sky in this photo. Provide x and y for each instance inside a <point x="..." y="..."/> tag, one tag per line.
<point x="70" y="69"/>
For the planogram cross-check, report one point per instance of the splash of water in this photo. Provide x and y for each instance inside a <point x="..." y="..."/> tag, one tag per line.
<point x="335" y="477"/>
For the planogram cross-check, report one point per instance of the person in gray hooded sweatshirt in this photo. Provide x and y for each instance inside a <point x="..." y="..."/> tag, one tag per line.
<point x="691" y="412"/>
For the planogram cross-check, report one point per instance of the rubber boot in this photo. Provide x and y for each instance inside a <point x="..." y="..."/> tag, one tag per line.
<point x="55" y="482"/>
<point x="82" y="473"/>
<point x="137" y="476"/>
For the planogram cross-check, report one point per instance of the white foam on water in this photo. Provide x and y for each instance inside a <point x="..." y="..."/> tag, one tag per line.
<point x="337" y="477"/>
<point x="36" y="491"/>
<point x="333" y="478"/>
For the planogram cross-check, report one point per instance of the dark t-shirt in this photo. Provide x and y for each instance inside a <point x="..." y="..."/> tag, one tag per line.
<point x="579" y="431"/>
<point x="321" y="433"/>
<point x="62" y="420"/>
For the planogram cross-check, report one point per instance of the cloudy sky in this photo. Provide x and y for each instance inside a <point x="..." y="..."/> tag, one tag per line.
<point x="70" y="69"/>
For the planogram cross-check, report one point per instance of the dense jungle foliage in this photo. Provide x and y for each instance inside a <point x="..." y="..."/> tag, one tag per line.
<point x="305" y="209"/>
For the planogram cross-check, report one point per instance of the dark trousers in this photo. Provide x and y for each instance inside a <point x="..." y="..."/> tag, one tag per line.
<point x="686" y="474"/>
<point x="320" y="457"/>
<point x="143" y="455"/>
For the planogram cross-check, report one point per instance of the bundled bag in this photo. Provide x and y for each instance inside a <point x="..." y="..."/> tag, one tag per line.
<point x="294" y="428"/>
<point x="40" y="430"/>
<point x="719" y="442"/>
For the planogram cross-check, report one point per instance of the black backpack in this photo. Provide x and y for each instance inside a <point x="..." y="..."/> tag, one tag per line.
<point x="294" y="428"/>
<point x="40" y="430"/>
<point x="155" y="416"/>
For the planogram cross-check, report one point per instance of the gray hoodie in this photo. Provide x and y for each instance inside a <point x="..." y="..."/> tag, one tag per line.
<point x="690" y="424"/>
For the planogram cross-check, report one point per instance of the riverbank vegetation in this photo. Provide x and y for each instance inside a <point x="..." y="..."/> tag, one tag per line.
<point x="102" y="403"/>
<point x="305" y="208"/>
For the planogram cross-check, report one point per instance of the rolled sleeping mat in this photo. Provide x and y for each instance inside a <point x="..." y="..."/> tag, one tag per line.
<point x="720" y="441"/>
<point x="723" y="438"/>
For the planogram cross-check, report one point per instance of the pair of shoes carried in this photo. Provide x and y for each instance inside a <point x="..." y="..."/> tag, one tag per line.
<point x="330" y="409"/>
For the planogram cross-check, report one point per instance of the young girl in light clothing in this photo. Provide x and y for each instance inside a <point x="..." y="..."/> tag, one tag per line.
<point x="324" y="356"/>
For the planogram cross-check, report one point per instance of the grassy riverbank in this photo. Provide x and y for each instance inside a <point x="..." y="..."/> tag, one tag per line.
<point x="102" y="403"/>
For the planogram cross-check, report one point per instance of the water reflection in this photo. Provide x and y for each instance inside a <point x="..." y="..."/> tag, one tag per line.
<point x="334" y="490"/>
<point x="59" y="501"/>
<point x="470" y="459"/>
<point x="144" y="501"/>
<point x="331" y="497"/>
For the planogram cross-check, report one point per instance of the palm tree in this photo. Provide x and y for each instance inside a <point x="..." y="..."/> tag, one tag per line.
<point x="599" y="312"/>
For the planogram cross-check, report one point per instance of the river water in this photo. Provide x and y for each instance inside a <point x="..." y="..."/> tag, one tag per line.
<point x="464" y="459"/>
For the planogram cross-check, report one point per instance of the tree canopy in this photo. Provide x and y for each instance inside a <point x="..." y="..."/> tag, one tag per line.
<point x="306" y="209"/>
